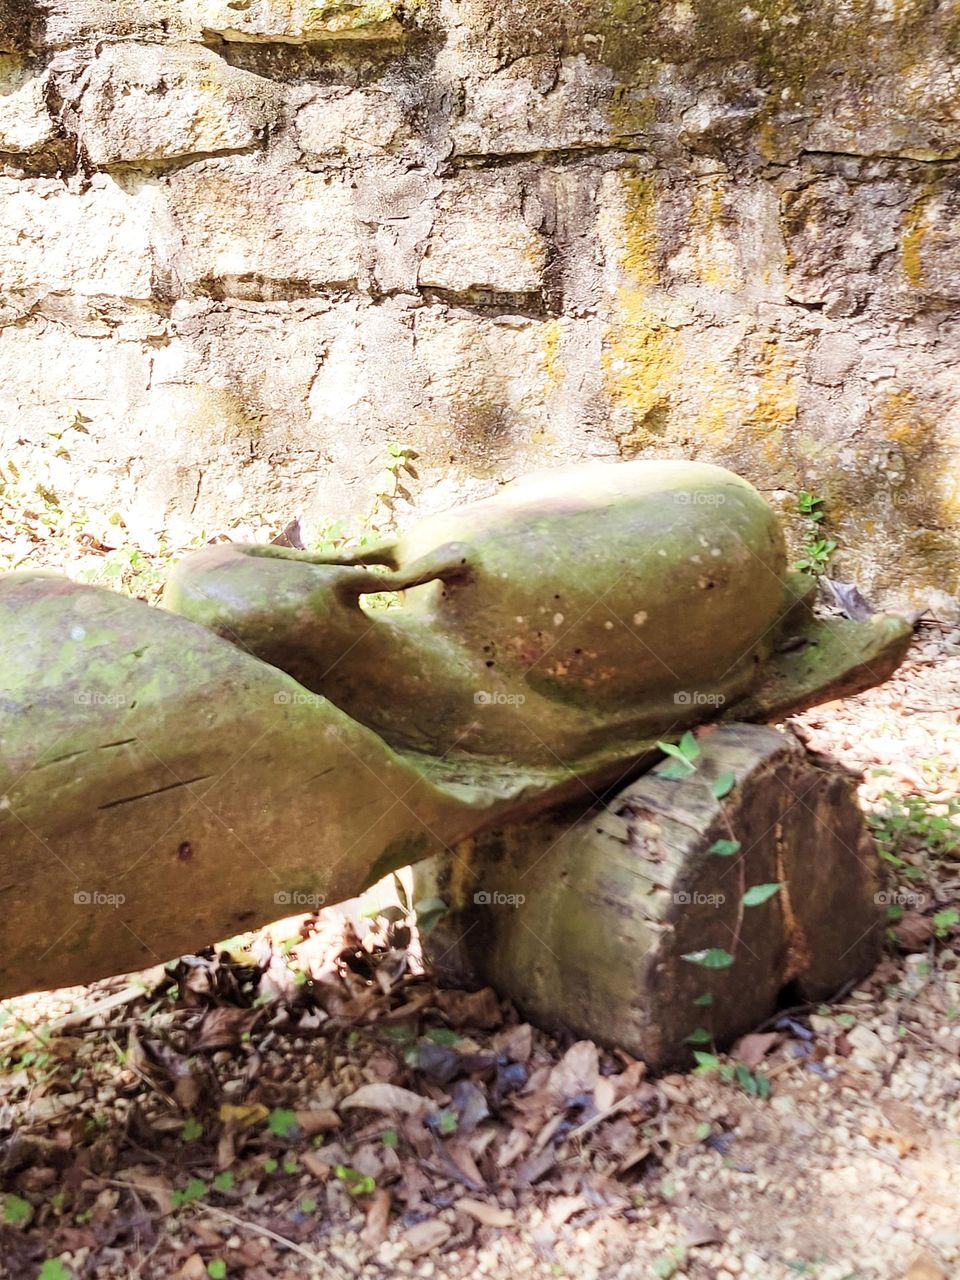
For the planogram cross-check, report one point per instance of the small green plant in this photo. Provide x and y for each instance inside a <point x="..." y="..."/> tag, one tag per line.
<point x="944" y="921"/>
<point x="683" y="757"/>
<point x="357" y="1183"/>
<point x="816" y="549"/>
<point x="195" y="1190"/>
<point x="669" y="1263"/>
<point x="16" y="1211"/>
<point x="906" y="825"/>
<point x="755" y="1083"/>
<point x="282" y="1122"/>
<point x="53" y="1269"/>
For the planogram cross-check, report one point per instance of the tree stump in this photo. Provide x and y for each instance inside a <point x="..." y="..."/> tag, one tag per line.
<point x="678" y="907"/>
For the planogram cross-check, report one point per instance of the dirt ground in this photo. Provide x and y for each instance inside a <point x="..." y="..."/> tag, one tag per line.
<point x="306" y="1102"/>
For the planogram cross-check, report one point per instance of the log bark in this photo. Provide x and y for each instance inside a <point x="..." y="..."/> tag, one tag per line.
<point x="605" y="924"/>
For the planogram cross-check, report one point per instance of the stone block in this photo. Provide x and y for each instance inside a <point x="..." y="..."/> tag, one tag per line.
<point x="357" y="123"/>
<point x="481" y="239"/>
<point x="26" y="125"/>
<point x="54" y="240"/>
<point x="146" y="103"/>
<point x="251" y="230"/>
<point x="300" y="21"/>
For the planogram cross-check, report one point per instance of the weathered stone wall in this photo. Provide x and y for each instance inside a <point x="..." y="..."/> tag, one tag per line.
<point x="244" y="244"/>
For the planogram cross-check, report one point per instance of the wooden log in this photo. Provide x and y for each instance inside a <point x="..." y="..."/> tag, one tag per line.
<point x="607" y="923"/>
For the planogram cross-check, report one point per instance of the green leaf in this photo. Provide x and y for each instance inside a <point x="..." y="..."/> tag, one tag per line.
<point x="308" y="1205"/>
<point x="282" y="1122"/>
<point x="760" y="893"/>
<point x="53" y="1269"/>
<point x="355" y="1182"/>
<point x="442" y="1035"/>
<point x="192" y="1129"/>
<point x="16" y="1211"/>
<point x="725" y="848"/>
<point x="745" y="1080"/>
<point x="195" y="1190"/>
<point x="703" y="1131"/>
<point x="401" y="1034"/>
<point x="270" y="1165"/>
<point x="675" y="770"/>
<point x="700" y="1036"/>
<point x="944" y="920"/>
<point x="704" y="1001"/>
<point x="711" y="958"/>
<point x="689" y="747"/>
<point x="723" y="785"/>
<point x="679" y="754"/>
<point x="217" y="1269"/>
<point x="705" y="1061"/>
<point x="223" y="1181"/>
<point x="389" y="1138"/>
<point x="449" y="1120"/>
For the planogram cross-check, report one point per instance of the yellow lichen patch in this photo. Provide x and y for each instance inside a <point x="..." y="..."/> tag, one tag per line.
<point x="643" y="352"/>
<point x="720" y="407"/>
<point x="552" y="365"/>
<point x="905" y="422"/>
<point x="643" y="363"/>
<point x="911" y="241"/>
<point x="715" y="258"/>
<point x="640" y="258"/>
<point x="771" y="393"/>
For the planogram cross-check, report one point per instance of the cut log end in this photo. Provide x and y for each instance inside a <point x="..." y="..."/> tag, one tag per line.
<point x="678" y="913"/>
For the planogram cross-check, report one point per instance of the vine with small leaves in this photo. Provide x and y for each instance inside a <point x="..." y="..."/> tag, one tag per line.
<point x="816" y="548"/>
<point x="683" y="762"/>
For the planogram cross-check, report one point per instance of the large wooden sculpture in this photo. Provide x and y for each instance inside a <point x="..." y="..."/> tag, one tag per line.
<point x="170" y="776"/>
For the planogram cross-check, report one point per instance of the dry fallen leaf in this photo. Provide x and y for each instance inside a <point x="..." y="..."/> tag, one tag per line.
<point x="378" y="1219"/>
<point x="470" y="1008"/>
<point x="563" y="1208"/>
<point x="388" y="1097"/>
<point x="244" y="1115"/>
<point x="924" y="1268"/>
<point x="146" y="1183"/>
<point x="427" y="1236"/>
<point x="487" y="1215"/>
<point x="576" y="1073"/>
<point x="879" y="1133"/>
<point x="913" y="931"/>
<point x="751" y="1050"/>
<point x="224" y="1026"/>
<point x="316" y="1165"/>
<point x="317" y="1120"/>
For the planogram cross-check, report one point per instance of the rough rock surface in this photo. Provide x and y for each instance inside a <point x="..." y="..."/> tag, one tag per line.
<point x="252" y="244"/>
